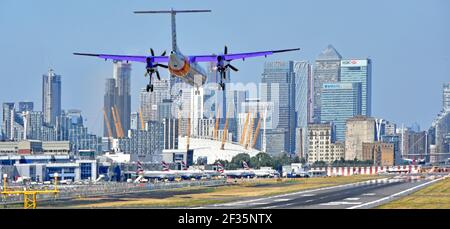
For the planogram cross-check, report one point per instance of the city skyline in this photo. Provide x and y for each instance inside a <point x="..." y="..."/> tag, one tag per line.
<point x="393" y="71"/>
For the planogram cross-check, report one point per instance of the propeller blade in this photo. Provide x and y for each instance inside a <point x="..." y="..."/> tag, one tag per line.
<point x="152" y="52"/>
<point x="164" y="53"/>
<point x="232" y="67"/>
<point x="162" y="65"/>
<point x="226" y="50"/>
<point x="157" y="75"/>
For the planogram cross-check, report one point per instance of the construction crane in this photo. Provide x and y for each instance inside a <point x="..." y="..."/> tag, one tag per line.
<point x="188" y="134"/>
<point x="216" y="128"/>
<point x="116" y="124"/>
<point x="108" y="126"/>
<point x="241" y="142"/>
<point x="250" y="132"/>
<point x="142" y="120"/>
<point x="255" y="135"/>
<point x="30" y="196"/>
<point x="225" y="133"/>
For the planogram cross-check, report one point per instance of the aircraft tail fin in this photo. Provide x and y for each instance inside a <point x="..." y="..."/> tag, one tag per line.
<point x="172" y="12"/>
<point x="140" y="168"/>
<point x="165" y="166"/>
<point x="246" y="167"/>
<point x="220" y="168"/>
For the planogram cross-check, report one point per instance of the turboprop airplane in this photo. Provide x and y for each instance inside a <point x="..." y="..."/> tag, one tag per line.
<point x="185" y="67"/>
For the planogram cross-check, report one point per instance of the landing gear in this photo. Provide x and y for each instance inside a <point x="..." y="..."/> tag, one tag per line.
<point x="222" y="86"/>
<point x="149" y="88"/>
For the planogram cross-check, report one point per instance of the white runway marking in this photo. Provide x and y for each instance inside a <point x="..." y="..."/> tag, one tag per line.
<point x="309" y="201"/>
<point x="334" y="203"/>
<point x="258" y="203"/>
<point x="396" y="194"/>
<point x="369" y="194"/>
<point x="281" y="200"/>
<point x="355" y="198"/>
<point x="309" y="194"/>
<point x="304" y="192"/>
<point x="268" y="207"/>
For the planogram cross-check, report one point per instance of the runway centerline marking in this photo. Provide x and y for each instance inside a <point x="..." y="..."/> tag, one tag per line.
<point x="281" y="200"/>
<point x="308" y="194"/>
<point x="334" y="203"/>
<point x="369" y="194"/>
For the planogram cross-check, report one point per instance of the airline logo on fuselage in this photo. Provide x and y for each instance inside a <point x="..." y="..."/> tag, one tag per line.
<point x="182" y="71"/>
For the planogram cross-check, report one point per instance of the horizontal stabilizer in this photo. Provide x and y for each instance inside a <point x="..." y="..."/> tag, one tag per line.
<point x="171" y="11"/>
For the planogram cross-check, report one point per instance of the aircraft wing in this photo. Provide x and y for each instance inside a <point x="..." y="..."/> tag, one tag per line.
<point x="143" y="59"/>
<point x="230" y="57"/>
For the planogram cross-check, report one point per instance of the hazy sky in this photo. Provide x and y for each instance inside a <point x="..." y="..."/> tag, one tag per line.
<point x="407" y="40"/>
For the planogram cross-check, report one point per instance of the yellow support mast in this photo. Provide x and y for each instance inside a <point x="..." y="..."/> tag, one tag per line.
<point x="241" y="142"/>
<point x="118" y="135"/>
<point x="216" y="127"/>
<point x="250" y="132"/>
<point x="255" y="136"/>
<point x="142" y="120"/>
<point x="108" y="126"/>
<point x="225" y="133"/>
<point x="120" y="123"/>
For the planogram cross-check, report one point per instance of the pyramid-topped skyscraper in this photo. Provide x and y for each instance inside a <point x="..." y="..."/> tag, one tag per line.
<point x="326" y="70"/>
<point x="330" y="53"/>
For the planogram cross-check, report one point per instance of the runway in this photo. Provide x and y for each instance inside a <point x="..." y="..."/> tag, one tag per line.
<point x="361" y="195"/>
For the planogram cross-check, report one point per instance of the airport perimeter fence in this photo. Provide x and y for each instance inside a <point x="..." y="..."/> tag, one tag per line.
<point x="102" y="189"/>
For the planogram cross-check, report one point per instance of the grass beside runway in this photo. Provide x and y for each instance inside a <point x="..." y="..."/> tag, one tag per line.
<point x="435" y="196"/>
<point x="200" y="196"/>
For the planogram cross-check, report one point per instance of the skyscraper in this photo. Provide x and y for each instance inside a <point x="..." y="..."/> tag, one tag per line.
<point x="135" y="121"/>
<point x="340" y="101"/>
<point x="359" y="71"/>
<point x="326" y="70"/>
<point x="446" y="96"/>
<point x="303" y="104"/>
<point x="25" y="106"/>
<point x="122" y="74"/>
<point x="51" y="97"/>
<point x="117" y="95"/>
<point x="151" y="100"/>
<point x="108" y="103"/>
<point x="7" y="120"/>
<point x="278" y="87"/>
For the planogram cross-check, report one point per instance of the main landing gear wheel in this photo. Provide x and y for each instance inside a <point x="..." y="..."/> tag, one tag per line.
<point x="149" y="88"/>
<point x="222" y="86"/>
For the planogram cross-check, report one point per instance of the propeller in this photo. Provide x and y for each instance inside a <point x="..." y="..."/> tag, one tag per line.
<point x="223" y="65"/>
<point x="152" y="67"/>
